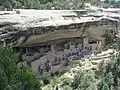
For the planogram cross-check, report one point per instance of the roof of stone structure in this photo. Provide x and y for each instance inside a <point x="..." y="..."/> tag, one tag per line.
<point x="40" y="39"/>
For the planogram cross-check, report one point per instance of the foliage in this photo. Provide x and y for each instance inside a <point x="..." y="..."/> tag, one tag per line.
<point x="109" y="37"/>
<point x="115" y="3"/>
<point x="44" y="4"/>
<point x="3" y="80"/>
<point x="85" y="80"/>
<point x="110" y="74"/>
<point x="107" y="1"/>
<point x="67" y="88"/>
<point x="55" y="81"/>
<point x="47" y="87"/>
<point x="12" y="77"/>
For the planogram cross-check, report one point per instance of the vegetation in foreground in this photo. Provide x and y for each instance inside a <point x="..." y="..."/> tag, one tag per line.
<point x="12" y="77"/>
<point x="106" y="77"/>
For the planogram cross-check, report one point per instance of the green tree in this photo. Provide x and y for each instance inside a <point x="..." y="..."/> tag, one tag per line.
<point x="43" y="4"/>
<point x="8" y="5"/>
<point x="105" y="87"/>
<point x="67" y="88"/>
<point x="107" y="1"/>
<point x="12" y="77"/>
<point x="84" y="80"/>
<point x="3" y="80"/>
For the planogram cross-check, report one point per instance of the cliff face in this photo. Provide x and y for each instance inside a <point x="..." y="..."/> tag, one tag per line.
<point x="29" y="22"/>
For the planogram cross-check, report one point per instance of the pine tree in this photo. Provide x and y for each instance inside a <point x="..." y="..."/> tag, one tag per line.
<point x="8" y="5"/>
<point x="105" y="87"/>
<point x="3" y="80"/>
<point x="107" y="1"/>
<point x="12" y="77"/>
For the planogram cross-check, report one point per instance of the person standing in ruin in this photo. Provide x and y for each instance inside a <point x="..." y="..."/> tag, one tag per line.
<point x="48" y="66"/>
<point x="40" y="69"/>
